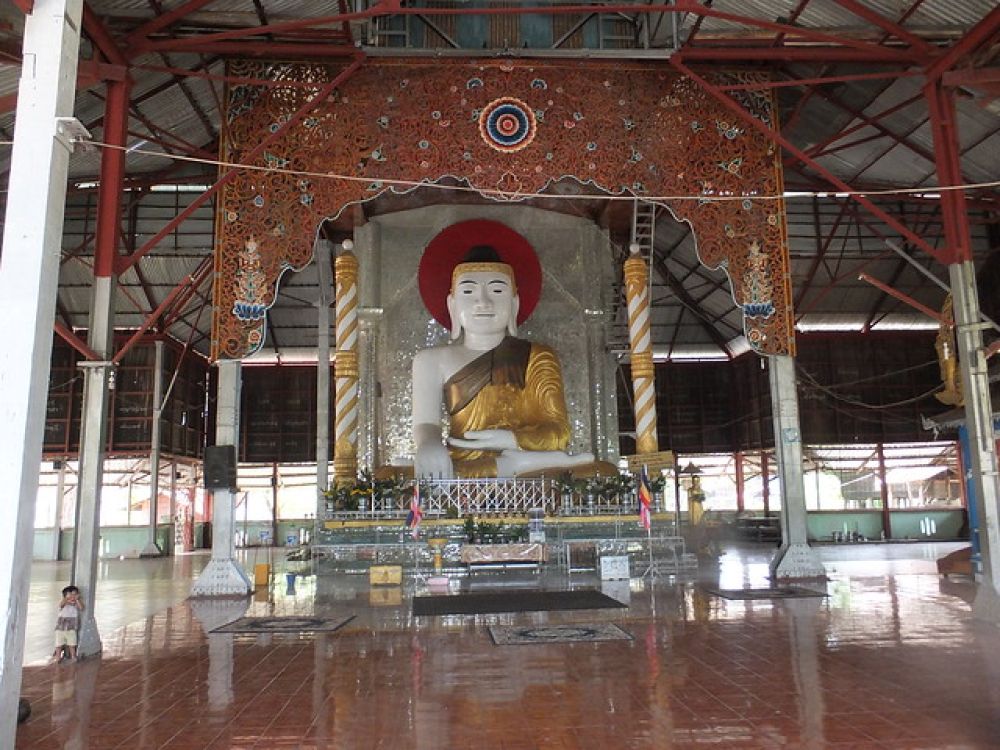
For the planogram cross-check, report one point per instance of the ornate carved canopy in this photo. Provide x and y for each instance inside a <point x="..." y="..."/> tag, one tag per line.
<point x="506" y="129"/>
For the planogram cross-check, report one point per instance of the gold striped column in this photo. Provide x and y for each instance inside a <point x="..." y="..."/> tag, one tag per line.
<point x="643" y="380"/>
<point x="345" y="436"/>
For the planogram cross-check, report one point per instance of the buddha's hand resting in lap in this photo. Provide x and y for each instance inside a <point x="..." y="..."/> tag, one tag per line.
<point x="485" y="440"/>
<point x="433" y="461"/>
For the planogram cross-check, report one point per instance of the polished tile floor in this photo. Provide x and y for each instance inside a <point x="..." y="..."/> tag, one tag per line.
<point x="892" y="658"/>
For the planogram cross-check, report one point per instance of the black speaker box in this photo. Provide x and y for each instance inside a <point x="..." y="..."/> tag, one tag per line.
<point x="220" y="467"/>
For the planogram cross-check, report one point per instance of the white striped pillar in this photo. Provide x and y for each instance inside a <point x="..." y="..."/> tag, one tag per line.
<point x="643" y="373"/>
<point x="345" y="443"/>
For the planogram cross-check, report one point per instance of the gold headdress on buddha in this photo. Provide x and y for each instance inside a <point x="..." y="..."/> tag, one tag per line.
<point x="483" y="258"/>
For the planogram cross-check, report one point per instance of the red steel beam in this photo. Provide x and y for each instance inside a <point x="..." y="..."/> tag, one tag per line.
<point x="804" y="100"/>
<point x="903" y="298"/>
<point x="845" y="146"/>
<point x="281" y="50"/>
<point x="971" y="77"/>
<point x="886" y="25"/>
<point x="112" y="175"/>
<point x="101" y="37"/>
<point x="857" y="269"/>
<point x="812" y="53"/>
<point x="236" y="80"/>
<point x="955" y="214"/>
<point x="292" y="50"/>
<point x="683" y="6"/>
<point x="818" y="81"/>
<point x="820" y="253"/>
<point x="866" y="121"/>
<point x="777" y="138"/>
<point x="202" y="272"/>
<point x="873" y="121"/>
<point x="127" y="261"/>
<point x="979" y="34"/>
<point x="193" y="280"/>
<point x="172" y="316"/>
<point x="89" y="73"/>
<point x="792" y="18"/>
<point x="73" y="340"/>
<point x="164" y="20"/>
<point x="927" y="219"/>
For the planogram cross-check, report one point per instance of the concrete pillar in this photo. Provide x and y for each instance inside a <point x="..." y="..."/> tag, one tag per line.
<point x="29" y="276"/>
<point x="98" y="375"/>
<point x="172" y="537"/>
<point x="596" y="357"/>
<point x="368" y="249"/>
<point x="982" y="442"/>
<point x="93" y="435"/>
<point x="58" y="511"/>
<point x="324" y="257"/>
<point x="152" y="549"/>
<point x="223" y="576"/>
<point x="795" y="559"/>
<point x="212" y="614"/>
<point x="369" y="403"/>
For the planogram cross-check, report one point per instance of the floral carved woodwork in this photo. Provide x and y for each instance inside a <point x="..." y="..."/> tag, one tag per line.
<point x="504" y="128"/>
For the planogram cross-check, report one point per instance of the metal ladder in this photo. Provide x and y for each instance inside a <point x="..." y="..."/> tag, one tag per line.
<point x="643" y="227"/>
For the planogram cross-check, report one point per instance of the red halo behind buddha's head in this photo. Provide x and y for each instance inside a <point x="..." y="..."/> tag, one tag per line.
<point x="450" y="247"/>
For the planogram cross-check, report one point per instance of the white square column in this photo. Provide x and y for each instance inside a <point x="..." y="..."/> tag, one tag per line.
<point x="29" y="276"/>
<point x="223" y="576"/>
<point x="795" y="559"/>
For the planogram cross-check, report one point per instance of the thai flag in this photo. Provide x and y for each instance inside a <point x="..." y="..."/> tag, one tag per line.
<point x="645" y="499"/>
<point x="415" y="515"/>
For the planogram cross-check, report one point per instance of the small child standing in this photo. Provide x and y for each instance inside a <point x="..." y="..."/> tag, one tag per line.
<point x="68" y="623"/>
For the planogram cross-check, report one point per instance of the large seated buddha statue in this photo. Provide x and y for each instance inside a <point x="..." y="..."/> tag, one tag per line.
<point x="503" y="395"/>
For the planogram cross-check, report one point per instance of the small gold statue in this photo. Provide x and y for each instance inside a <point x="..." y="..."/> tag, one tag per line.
<point x="945" y="347"/>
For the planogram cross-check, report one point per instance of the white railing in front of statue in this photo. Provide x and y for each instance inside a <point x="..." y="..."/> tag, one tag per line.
<point x="479" y="497"/>
<point x="496" y="497"/>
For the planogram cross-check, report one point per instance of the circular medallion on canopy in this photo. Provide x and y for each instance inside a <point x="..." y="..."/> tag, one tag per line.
<point x="507" y="124"/>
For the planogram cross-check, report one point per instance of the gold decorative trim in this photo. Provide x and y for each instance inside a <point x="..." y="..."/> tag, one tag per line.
<point x="478" y="267"/>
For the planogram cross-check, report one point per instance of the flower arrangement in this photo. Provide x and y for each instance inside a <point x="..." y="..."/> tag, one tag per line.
<point x="477" y="531"/>
<point x="367" y="491"/>
<point x="605" y="488"/>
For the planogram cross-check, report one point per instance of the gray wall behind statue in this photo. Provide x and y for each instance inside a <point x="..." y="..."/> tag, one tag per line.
<point x="571" y="317"/>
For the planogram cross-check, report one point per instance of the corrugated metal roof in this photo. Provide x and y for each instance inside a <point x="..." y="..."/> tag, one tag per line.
<point x="852" y="247"/>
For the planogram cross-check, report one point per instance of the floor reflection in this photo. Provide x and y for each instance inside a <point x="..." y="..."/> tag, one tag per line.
<point x="889" y="659"/>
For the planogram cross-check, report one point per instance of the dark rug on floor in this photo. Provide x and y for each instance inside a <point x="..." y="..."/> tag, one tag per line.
<point x="512" y="601"/>
<point x="590" y="633"/>
<point x="284" y="625"/>
<point x="778" y="592"/>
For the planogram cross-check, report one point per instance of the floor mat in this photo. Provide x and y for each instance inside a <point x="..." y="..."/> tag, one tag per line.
<point x="512" y="601"/>
<point x="589" y="633"/>
<point x="284" y="625"/>
<point x="778" y="592"/>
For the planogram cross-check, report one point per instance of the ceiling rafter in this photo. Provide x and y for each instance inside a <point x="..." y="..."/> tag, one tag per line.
<point x="812" y="91"/>
<point x="141" y="42"/>
<point x="889" y="27"/>
<point x="225" y="178"/>
<point x="821" y="148"/>
<point x="901" y="266"/>
<point x="689" y="303"/>
<point x="822" y="246"/>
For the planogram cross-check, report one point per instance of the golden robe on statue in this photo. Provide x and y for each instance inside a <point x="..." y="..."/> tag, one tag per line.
<point x="518" y="387"/>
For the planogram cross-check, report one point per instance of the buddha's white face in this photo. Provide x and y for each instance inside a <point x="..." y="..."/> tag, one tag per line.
<point x="483" y="302"/>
